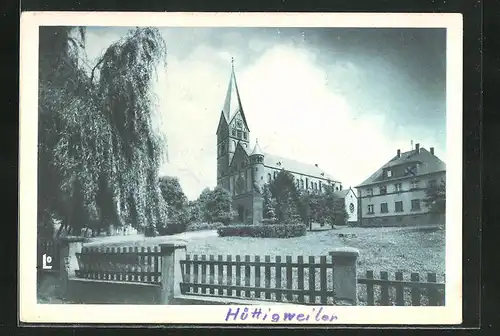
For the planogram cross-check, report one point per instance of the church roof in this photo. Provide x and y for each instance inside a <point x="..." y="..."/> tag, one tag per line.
<point x="256" y="149"/>
<point x="232" y="103"/>
<point x="293" y="166"/>
<point x="428" y="163"/>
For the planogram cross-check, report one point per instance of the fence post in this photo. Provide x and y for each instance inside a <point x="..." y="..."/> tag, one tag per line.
<point x="68" y="264"/>
<point x="171" y="273"/>
<point x="345" y="279"/>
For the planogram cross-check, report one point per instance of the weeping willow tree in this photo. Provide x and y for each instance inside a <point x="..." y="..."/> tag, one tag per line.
<point x="100" y="149"/>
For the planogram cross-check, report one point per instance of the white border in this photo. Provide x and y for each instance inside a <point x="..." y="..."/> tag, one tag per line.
<point x="31" y="311"/>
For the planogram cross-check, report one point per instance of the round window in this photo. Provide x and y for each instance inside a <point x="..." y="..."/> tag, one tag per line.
<point x="351" y="207"/>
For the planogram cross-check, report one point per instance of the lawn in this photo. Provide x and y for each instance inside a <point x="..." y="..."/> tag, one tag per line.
<point x="381" y="249"/>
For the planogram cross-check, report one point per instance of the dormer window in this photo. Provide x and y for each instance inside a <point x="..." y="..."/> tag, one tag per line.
<point x="389" y="173"/>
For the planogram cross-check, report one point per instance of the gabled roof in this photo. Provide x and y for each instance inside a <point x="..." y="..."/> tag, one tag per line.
<point x="239" y="147"/>
<point x="222" y="121"/>
<point x="278" y="162"/>
<point x="429" y="163"/>
<point x="343" y="193"/>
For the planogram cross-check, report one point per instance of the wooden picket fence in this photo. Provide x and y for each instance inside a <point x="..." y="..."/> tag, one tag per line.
<point x="129" y="264"/>
<point x="296" y="281"/>
<point x="398" y="292"/>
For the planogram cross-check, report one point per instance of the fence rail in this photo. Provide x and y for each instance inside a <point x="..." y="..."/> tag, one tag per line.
<point x="385" y="292"/>
<point x="130" y="264"/>
<point x="268" y="280"/>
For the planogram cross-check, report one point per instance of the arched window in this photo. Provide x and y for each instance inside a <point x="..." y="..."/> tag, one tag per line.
<point x="307" y="183"/>
<point x="341" y="187"/>
<point x="268" y="177"/>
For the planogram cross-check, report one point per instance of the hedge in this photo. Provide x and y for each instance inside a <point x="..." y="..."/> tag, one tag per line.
<point x="263" y="231"/>
<point x="203" y="226"/>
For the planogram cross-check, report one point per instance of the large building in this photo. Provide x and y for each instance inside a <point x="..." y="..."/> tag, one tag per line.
<point x="394" y="194"/>
<point x="243" y="171"/>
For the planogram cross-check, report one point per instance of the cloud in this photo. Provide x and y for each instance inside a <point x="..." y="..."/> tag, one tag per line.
<point x="296" y="106"/>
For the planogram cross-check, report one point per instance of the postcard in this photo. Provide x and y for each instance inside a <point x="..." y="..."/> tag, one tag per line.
<point x="241" y="168"/>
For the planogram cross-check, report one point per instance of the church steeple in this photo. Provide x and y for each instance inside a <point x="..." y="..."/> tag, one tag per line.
<point x="232" y="103"/>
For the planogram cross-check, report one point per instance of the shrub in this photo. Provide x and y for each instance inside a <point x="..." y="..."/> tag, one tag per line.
<point x="263" y="231"/>
<point x="203" y="226"/>
<point x="269" y="221"/>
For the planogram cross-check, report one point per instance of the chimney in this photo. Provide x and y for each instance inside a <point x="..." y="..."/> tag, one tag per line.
<point x="399" y="153"/>
<point x="417" y="148"/>
<point x="432" y="150"/>
<point x="316" y="164"/>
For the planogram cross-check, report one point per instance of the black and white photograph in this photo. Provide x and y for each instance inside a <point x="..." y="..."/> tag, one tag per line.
<point x="224" y="168"/>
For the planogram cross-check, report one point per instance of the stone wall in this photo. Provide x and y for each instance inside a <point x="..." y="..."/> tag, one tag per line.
<point x="112" y="292"/>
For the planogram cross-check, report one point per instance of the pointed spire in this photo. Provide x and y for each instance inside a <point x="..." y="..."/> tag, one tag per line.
<point x="256" y="149"/>
<point x="232" y="104"/>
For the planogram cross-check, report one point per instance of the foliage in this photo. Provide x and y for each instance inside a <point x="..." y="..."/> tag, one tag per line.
<point x="284" y="191"/>
<point x="323" y="207"/>
<point x="436" y="197"/>
<point x="177" y="206"/>
<point x="269" y="206"/>
<point x="216" y="205"/>
<point x="263" y="231"/>
<point x="195" y="213"/>
<point x="197" y="226"/>
<point x="99" y="150"/>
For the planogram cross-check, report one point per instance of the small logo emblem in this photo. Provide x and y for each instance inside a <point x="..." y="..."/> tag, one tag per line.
<point x="47" y="262"/>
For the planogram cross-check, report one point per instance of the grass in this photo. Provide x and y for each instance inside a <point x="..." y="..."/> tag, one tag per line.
<point x="381" y="249"/>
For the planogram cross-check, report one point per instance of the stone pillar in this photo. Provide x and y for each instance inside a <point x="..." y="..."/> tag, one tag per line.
<point x="68" y="264"/>
<point x="345" y="279"/>
<point x="171" y="274"/>
<point x="258" y="209"/>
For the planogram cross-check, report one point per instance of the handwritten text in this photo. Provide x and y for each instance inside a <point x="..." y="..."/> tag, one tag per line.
<point x="257" y="314"/>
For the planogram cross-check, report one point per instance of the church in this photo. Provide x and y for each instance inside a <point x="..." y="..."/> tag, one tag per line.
<point x="244" y="171"/>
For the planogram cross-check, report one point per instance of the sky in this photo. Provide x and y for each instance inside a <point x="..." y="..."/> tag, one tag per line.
<point x="344" y="98"/>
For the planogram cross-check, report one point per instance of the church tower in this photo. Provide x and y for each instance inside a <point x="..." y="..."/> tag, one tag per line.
<point x="232" y="129"/>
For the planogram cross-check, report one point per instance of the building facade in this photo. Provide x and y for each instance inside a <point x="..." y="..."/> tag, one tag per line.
<point x="351" y="204"/>
<point x="243" y="170"/>
<point x="394" y="195"/>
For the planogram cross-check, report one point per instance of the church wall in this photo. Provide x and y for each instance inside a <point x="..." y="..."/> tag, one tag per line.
<point x="298" y="177"/>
